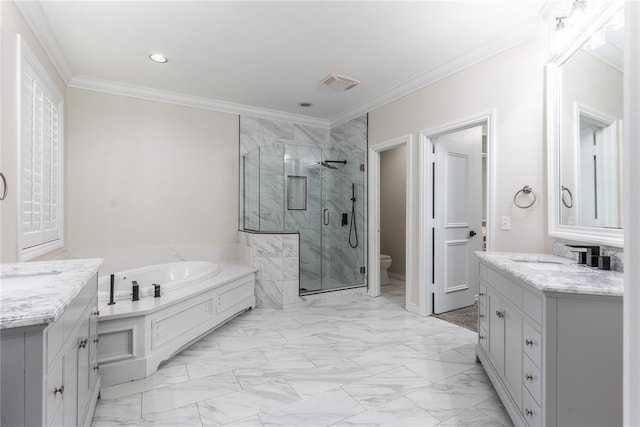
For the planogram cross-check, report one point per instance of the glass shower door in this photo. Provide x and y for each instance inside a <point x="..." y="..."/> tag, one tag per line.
<point x="302" y="210"/>
<point x="343" y="229"/>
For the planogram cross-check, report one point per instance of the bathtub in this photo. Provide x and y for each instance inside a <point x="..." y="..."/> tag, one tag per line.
<point x="170" y="276"/>
<point x="135" y="337"/>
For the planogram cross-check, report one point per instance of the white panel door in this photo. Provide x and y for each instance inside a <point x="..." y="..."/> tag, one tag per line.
<point x="458" y="222"/>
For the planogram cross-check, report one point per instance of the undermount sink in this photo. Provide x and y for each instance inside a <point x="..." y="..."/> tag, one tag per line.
<point x="24" y="281"/>
<point x="547" y="265"/>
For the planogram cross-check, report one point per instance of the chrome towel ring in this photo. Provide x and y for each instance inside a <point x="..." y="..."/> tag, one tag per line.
<point x="568" y="204"/>
<point x="526" y="190"/>
<point x="4" y="186"/>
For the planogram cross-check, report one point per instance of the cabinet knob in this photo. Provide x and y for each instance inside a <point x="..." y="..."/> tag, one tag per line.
<point x="500" y="314"/>
<point x="58" y="390"/>
<point x="528" y="412"/>
<point x="528" y="342"/>
<point x="528" y="377"/>
<point x="83" y="343"/>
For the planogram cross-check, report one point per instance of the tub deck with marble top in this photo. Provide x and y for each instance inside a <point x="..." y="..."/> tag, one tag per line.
<point x="135" y="337"/>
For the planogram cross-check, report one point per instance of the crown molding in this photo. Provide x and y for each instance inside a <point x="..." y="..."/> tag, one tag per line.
<point x="151" y="94"/>
<point x="33" y="14"/>
<point x="446" y="69"/>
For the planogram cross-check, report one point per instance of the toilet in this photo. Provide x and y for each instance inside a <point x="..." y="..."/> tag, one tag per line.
<point x="385" y="263"/>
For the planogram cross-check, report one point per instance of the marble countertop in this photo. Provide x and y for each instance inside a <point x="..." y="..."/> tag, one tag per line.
<point x="33" y="293"/>
<point x="568" y="277"/>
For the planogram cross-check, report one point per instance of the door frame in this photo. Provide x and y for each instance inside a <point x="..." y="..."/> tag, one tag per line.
<point x="374" y="216"/>
<point x="425" y="191"/>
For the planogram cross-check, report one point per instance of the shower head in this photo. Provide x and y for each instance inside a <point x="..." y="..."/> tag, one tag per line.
<point x="327" y="165"/>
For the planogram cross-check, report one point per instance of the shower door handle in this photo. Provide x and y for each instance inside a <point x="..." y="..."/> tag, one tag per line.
<point x="326" y="216"/>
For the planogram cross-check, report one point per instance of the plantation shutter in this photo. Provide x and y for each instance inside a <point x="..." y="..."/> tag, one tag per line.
<point x="40" y="162"/>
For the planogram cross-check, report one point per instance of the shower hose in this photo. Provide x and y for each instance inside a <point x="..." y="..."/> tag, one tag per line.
<point x="353" y="230"/>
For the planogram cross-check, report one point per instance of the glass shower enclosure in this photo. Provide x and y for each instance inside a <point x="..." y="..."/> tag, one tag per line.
<point x="319" y="194"/>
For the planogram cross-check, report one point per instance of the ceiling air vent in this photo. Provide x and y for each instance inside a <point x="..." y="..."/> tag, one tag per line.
<point x="337" y="82"/>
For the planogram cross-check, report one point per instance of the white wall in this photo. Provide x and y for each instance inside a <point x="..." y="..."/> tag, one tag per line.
<point x="512" y="83"/>
<point x="144" y="173"/>
<point x="12" y="23"/>
<point x="393" y="199"/>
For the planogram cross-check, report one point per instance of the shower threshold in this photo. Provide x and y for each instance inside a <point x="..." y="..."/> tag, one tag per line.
<point x="304" y="292"/>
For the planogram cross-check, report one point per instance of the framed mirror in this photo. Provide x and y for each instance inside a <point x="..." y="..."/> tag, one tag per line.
<point x="584" y="119"/>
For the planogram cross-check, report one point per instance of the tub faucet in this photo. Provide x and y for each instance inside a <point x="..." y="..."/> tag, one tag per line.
<point x="111" y="289"/>
<point x="135" y="295"/>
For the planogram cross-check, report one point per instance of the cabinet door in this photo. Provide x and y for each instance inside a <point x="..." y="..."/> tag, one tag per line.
<point x="70" y="398"/>
<point x="83" y="345"/>
<point x="496" y="329"/>
<point x="512" y="350"/>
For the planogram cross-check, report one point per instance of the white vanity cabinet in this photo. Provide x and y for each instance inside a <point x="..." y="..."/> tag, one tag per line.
<point x="555" y="358"/>
<point x="49" y="372"/>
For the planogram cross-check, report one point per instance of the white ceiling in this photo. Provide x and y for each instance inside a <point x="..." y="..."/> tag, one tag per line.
<point x="272" y="55"/>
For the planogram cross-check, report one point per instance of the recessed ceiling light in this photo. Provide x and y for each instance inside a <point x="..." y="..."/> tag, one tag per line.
<point x="156" y="57"/>
<point x="305" y="104"/>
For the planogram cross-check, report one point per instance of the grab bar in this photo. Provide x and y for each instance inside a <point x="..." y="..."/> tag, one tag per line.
<point x="326" y="216"/>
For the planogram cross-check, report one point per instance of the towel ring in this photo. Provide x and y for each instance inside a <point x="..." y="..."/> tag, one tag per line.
<point x="564" y="202"/>
<point x="525" y="190"/>
<point x="4" y="186"/>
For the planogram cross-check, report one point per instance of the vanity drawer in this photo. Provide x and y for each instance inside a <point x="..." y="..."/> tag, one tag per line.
<point x="531" y="410"/>
<point x="531" y="378"/>
<point x="73" y="313"/>
<point x="532" y="343"/>
<point x="532" y="305"/>
<point x="504" y="286"/>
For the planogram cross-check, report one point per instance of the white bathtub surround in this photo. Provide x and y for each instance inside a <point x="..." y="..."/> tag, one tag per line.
<point x="170" y="276"/>
<point x="349" y="362"/>
<point x="37" y="292"/>
<point x="120" y="259"/>
<point x="616" y="254"/>
<point x="137" y="336"/>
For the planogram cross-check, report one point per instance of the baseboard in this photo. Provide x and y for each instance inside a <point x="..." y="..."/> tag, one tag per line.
<point x="397" y="276"/>
<point x="413" y="308"/>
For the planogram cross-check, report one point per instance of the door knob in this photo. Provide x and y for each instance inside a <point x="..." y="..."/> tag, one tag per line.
<point x="472" y="233"/>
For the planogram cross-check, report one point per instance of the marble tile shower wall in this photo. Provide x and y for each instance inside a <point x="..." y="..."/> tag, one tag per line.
<point x="616" y="254"/>
<point x="275" y="256"/>
<point x="301" y="146"/>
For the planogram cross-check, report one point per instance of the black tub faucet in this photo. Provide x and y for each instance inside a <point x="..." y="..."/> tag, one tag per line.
<point x="135" y="291"/>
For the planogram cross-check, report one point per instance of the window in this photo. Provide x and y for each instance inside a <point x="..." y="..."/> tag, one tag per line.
<point x="40" y="157"/>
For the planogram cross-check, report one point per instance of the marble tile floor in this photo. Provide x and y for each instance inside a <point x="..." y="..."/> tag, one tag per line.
<point x="354" y="362"/>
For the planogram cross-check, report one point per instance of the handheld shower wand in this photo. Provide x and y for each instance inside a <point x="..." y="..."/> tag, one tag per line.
<point x="353" y="229"/>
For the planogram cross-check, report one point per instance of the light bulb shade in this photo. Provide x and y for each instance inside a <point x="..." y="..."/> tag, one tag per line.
<point x="159" y="58"/>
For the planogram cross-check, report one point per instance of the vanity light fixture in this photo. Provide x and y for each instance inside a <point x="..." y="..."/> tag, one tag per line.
<point x="159" y="58"/>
